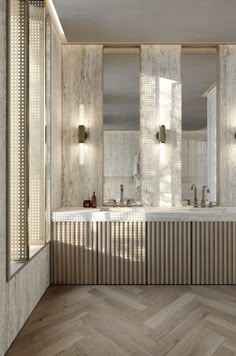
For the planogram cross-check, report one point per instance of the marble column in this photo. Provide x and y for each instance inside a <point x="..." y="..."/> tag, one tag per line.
<point x="227" y="126"/>
<point x="56" y="117"/>
<point x="160" y="105"/>
<point x="82" y="169"/>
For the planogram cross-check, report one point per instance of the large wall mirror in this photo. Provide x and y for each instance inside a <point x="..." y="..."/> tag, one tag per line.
<point x="121" y="179"/>
<point x="199" y="72"/>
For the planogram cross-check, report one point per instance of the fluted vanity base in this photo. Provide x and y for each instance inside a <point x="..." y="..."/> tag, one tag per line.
<point x="139" y="252"/>
<point x="169" y="252"/>
<point x="214" y="253"/>
<point x="121" y="253"/>
<point x="74" y="253"/>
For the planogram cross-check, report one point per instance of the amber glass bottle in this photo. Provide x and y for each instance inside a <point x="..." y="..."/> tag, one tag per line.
<point x="94" y="200"/>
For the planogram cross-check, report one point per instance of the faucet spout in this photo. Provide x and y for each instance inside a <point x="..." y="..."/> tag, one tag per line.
<point x="205" y="189"/>
<point x="195" y="202"/>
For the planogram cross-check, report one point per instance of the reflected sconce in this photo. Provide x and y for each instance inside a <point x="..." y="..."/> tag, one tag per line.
<point x="82" y="134"/>
<point x="161" y="135"/>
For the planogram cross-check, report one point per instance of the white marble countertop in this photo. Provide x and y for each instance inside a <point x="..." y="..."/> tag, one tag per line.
<point x="145" y="214"/>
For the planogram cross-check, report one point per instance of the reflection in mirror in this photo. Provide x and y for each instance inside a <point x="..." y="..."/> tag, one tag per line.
<point x="199" y="123"/>
<point x="121" y="126"/>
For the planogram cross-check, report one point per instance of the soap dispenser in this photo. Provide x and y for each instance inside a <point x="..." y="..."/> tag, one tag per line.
<point x="94" y="200"/>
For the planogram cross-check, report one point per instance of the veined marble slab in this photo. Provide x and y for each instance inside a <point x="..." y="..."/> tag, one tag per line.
<point x="160" y="104"/>
<point x="226" y="128"/>
<point x="145" y="214"/>
<point x="82" y="169"/>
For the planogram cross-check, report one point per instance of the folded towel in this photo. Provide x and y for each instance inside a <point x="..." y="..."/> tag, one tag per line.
<point x="136" y="173"/>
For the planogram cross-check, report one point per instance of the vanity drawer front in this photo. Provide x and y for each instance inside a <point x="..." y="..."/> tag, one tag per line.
<point x="213" y="253"/>
<point x="74" y="253"/>
<point x="169" y="252"/>
<point x="121" y="253"/>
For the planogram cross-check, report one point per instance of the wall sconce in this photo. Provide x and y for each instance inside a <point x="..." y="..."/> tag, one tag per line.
<point x="161" y="135"/>
<point x="82" y="134"/>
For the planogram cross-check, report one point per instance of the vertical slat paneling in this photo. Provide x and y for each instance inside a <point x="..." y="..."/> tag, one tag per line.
<point x="124" y="253"/>
<point x="168" y="247"/>
<point x="172" y="252"/>
<point x="214" y="248"/>
<point x="74" y="253"/>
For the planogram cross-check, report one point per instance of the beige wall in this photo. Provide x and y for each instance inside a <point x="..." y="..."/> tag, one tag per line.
<point x="19" y="296"/>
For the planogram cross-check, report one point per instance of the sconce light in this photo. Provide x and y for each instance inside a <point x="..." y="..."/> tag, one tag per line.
<point x="161" y="135"/>
<point x="82" y="134"/>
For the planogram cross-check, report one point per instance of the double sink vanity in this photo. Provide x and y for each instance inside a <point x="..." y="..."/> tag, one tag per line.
<point x="150" y="135"/>
<point x="144" y="245"/>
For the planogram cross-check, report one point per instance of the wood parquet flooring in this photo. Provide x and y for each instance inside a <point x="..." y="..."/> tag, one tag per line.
<point x="131" y="320"/>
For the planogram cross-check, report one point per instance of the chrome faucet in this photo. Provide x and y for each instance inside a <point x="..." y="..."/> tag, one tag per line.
<point x="195" y="202"/>
<point x="205" y="189"/>
<point x="121" y="195"/>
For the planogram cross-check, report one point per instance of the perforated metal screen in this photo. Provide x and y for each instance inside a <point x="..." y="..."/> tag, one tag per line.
<point x="26" y="126"/>
<point x="37" y="148"/>
<point x="18" y="99"/>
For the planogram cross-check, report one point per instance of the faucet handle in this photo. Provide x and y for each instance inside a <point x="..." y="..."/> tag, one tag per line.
<point x="113" y="201"/>
<point x="207" y="188"/>
<point x="130" y="201"/>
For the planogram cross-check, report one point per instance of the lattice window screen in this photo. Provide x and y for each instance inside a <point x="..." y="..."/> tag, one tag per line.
<point x="37" y="123"/>
<point x="18" y="129"/>
<point x="48" y="113"/>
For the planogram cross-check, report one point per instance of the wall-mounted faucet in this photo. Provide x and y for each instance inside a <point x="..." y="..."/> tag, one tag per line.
<point x="195" y="202"/>
<point x="121" y="195"/>
<point x="205" y="189"/>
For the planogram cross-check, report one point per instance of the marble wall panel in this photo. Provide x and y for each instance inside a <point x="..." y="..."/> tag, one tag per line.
<point x="160" y="104"/>
<point x="227" y="126"/>
<point x="82" y="169"/>
<point x="56" y="117"/>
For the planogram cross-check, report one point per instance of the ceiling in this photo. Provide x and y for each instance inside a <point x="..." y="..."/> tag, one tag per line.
<point x="148" y="20"/>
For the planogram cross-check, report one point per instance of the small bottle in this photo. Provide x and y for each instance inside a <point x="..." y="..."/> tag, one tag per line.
<point x="94" y="200"/>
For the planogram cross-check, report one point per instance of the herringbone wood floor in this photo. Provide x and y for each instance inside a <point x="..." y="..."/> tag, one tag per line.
<point x="131" y="320"/>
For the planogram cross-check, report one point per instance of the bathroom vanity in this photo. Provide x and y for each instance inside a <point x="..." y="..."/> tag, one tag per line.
<point x="182" y="245"/>
<point x="155" y="120"/>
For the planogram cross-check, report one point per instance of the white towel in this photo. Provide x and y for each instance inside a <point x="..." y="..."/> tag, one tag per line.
<point x="136" y="173"/>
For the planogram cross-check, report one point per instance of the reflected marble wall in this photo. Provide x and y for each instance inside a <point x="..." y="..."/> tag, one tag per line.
<point x="194" y="162"/>
<point x="120" y="149"/>
<point x="211" y="143"/>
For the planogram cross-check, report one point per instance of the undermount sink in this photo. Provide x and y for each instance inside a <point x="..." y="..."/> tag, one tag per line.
<point x="121" y="208"/>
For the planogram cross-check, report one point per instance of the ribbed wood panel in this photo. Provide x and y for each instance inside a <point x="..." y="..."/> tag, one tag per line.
<point x="168" y="252"/>
<point x="74" y="253"/>
<point x="121" y="253"/>
<point x="213" y="253"/>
